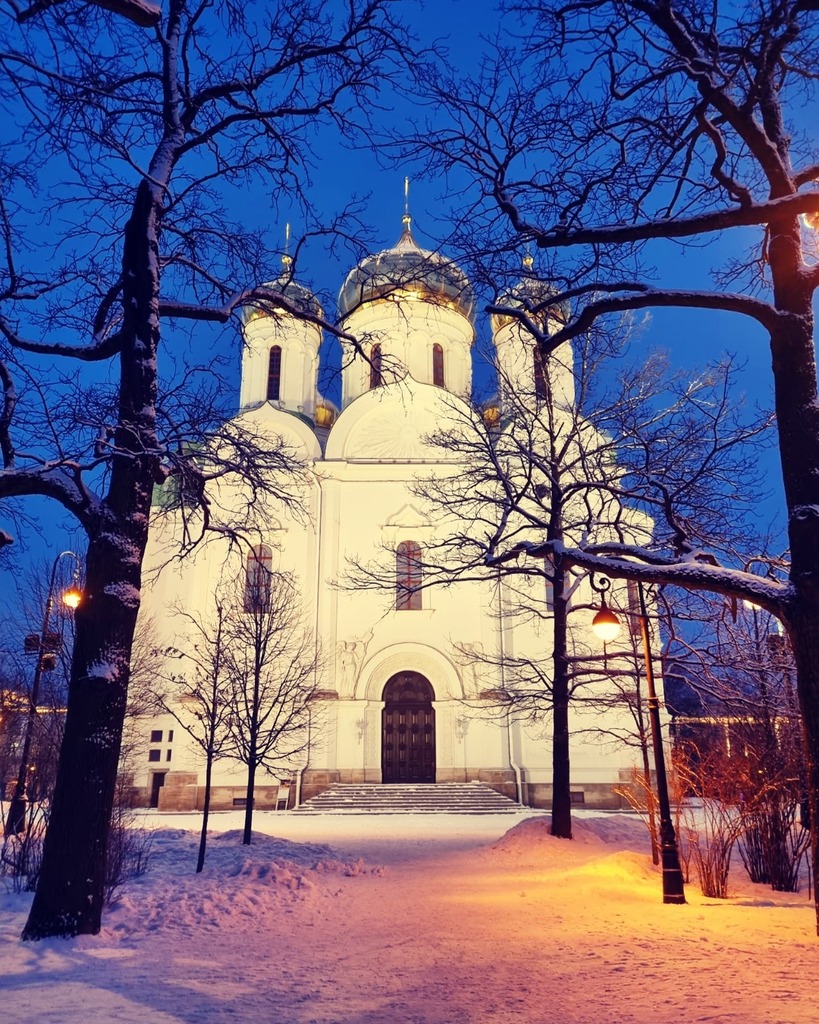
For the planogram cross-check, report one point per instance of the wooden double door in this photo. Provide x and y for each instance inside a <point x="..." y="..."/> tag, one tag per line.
<point x="408" y="729"/>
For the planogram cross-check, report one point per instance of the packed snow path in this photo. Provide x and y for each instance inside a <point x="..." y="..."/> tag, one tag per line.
<point x="416" y="921"/>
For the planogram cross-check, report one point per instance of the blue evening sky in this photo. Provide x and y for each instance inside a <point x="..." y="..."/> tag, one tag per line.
<point x="693" y="338"/>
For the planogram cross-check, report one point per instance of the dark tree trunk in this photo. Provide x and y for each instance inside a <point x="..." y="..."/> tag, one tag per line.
<point x="203" y="836"/>
<point x="804" y="634"/>
<point x="797" y="412"/>
<point x="70" y="890"/>
<point x="251" y="785"/>
<point x="561" y="768"/>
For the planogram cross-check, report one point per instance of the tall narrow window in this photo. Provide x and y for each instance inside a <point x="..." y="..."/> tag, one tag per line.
<point x="274" y="374"/>
<point x="408" y="576"/>
<point x="375" y="366"/>
<point x="540" y="376"/>
<point x="438" y="366"/>
<point x="258" y="575"/>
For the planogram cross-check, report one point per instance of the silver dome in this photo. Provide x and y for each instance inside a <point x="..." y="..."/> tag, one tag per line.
<point x="406" y="267"/>
<point x="296" y="296"/>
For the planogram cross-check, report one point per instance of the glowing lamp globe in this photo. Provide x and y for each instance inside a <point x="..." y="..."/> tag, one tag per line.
<point x="605" y="624"/>
<point x="811" y="220"/>
<point x="72" y="597"/>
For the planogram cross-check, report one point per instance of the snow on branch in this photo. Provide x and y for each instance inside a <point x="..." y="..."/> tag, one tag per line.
<point x="695" y="572"/>
<point x="146" y="15"/>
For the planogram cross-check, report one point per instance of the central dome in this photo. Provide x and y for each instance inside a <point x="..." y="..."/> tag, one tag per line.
<point x="406" y="271"/>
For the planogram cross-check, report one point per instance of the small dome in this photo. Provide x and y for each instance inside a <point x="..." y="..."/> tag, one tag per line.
<point x="295" y="295"/>
<point x="406" y="271"/>
<point x="532" y="294"/>
<point x="491" y="414"/>
<point x="326" y="413"/>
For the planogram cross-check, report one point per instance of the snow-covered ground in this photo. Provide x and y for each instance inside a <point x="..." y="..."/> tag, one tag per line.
<point x="416" y="920"/>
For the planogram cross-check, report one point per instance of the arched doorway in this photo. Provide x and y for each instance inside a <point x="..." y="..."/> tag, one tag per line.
<point x="408" y="729"/>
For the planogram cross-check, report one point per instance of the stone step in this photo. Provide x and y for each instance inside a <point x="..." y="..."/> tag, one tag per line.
<point x="445" y="798"/>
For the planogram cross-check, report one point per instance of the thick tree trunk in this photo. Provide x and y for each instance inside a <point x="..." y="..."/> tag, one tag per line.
<point x="797" y="413"/>
<point x="69" y="895"/>
<point x="70" y="890"/>
<point x="561" y="767"/>
<point x="804" y="634"/>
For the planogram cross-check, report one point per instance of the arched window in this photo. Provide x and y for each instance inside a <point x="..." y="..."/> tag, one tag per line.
<point x="375" y="366"/>
<point x="258" y="577"/>
<point x="540" y="376"/>
<point x="274" y="374"/>
<point x="438" y="366"/>
<point x="408" y="576"/>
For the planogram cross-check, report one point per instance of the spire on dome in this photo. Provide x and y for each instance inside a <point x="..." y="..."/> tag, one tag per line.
<point x="406" y="267"/>
<point x="287" y="259"/>
<point x="406" y="241"/>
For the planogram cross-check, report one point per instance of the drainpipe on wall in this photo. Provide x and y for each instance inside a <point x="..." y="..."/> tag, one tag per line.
<point x="512" y="764"/>
<point x="306" y="765"/>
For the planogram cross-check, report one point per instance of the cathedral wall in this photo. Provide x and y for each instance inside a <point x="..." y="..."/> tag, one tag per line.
<point x="406" y="330"/>
<point x="299" y="343"/>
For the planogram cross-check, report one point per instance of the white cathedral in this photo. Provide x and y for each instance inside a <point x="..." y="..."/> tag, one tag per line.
<point x="396" y="698"/>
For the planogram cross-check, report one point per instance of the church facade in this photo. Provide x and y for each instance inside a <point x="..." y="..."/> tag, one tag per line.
<point x="401" y="692"/>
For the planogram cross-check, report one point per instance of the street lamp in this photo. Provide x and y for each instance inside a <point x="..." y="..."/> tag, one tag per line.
<point x="604" y="624"/>
<point x="43" y="646"/>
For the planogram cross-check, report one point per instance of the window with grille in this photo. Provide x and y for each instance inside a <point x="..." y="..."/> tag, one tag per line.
<point x="274" y="374"/>
<point x="438" y="366"/>
<point x="375" y="366"/>
<point x="258" y="574"/>
<point x="408" y="576"/>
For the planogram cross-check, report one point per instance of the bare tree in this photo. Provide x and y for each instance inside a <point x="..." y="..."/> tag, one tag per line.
<point x="149" y="120"/>
<point x="568" y="453"/>
<point x="272" y="666"/>
<point x="627" y="123"/>
<point x="743" y="678"/>
<point x="198" y="698"/>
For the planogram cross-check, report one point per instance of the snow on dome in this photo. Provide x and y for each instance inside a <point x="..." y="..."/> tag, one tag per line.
<point x="406" y="271"/>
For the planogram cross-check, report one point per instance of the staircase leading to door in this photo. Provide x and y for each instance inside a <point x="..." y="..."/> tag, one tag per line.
<point x="444" y="798"/>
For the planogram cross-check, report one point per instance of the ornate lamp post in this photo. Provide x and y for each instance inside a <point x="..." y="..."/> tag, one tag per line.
<point x="606" y="625"/>
<point x="43" y="646"/>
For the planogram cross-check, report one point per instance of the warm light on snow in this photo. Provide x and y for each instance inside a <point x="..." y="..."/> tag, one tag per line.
<point x="408" y="919"/>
